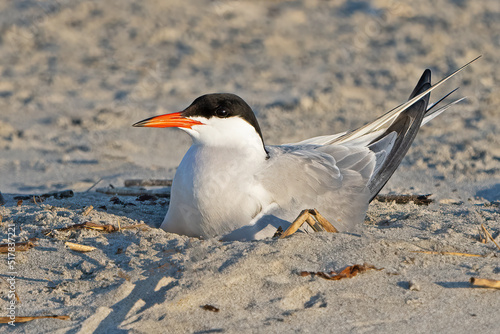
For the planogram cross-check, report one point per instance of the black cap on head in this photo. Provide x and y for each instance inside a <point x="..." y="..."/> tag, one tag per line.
<point x="222" y="105"/>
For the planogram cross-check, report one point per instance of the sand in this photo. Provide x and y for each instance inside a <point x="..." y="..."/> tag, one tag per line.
<point x="74" y="76"/>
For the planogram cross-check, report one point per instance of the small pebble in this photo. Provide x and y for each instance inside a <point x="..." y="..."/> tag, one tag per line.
<point x="413" y="286"/>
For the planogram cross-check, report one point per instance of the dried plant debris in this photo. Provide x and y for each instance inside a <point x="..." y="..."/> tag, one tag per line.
<point x="484" y="283"/>
<point x="56" y="195"/>
<point x="94" y="226"/>
<point x="210" y="308"/>
<point x="78" y="247"/>
<point x="6" y="320"/>
<point x="18" y="246"/>
<point x="2" y="200"/>
<point x="148" y="183"/>
<point x="146" y="197"/>
<point x="87" y="210"/>
<point x="134" y="191"/>
<point x="404" y="199"/>
<point x="450" y="201"/>
<point x="117" y="201"/>
<point x="348" y="272"/>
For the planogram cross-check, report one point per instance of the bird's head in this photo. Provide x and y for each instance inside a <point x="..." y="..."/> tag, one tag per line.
<point x="214" y="120"/>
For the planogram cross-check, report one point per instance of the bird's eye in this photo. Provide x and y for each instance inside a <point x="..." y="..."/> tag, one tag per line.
<point x="221" y="113"/>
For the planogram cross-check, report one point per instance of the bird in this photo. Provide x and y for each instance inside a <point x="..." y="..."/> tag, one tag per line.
<point x="233" y="186"/>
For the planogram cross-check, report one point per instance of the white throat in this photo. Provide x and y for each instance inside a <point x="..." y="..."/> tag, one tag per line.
<point x="227" y="133"/>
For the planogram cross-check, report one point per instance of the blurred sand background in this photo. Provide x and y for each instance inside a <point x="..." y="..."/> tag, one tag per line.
<point x="74" y="76"/>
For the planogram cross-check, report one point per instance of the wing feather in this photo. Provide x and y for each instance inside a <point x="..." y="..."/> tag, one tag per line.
<point x="332" y="179"/>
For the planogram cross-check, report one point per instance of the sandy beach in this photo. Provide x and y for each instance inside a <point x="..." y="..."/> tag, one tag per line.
<point x="74" y="77"/>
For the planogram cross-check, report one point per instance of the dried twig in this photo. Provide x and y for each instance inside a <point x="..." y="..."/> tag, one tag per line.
<point x="404" y="199"/>
<point x="489" y="236"/>
<point x="18" y="247"/>
<point x="484" y="283"/>
<point x="78" y="247"/>
<point x="6" y="320"/>
<point x="448" y="253"/>
<point x="90" y="226"/>
<point x="87" y="210"/>
<point x="99" y="227"/>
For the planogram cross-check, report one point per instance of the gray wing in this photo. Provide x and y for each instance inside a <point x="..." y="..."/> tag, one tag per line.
<point x="332" y="179"/>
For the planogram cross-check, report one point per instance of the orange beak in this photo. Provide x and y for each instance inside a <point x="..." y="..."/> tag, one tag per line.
<point x="174" y="120"/>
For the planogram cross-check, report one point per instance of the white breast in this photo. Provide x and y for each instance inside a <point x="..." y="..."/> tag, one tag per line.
<point x="214" y="190"/>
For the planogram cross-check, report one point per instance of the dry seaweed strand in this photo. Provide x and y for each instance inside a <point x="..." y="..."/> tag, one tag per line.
<point x="404" y="199"/>
<point x="6" y="320"/>
<point x="347" y="272"/>
<point x="448" y="253"/>
<point x="94" y="226"/>
<point x="484" y="283"/>
<point x="489" y="236"/>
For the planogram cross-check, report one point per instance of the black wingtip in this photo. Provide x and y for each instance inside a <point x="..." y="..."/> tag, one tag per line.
<point x="406" y="126"/>
<point x="424" y="80"/>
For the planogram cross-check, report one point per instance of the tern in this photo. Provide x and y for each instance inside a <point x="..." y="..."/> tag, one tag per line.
<point x="231" y="185"/>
